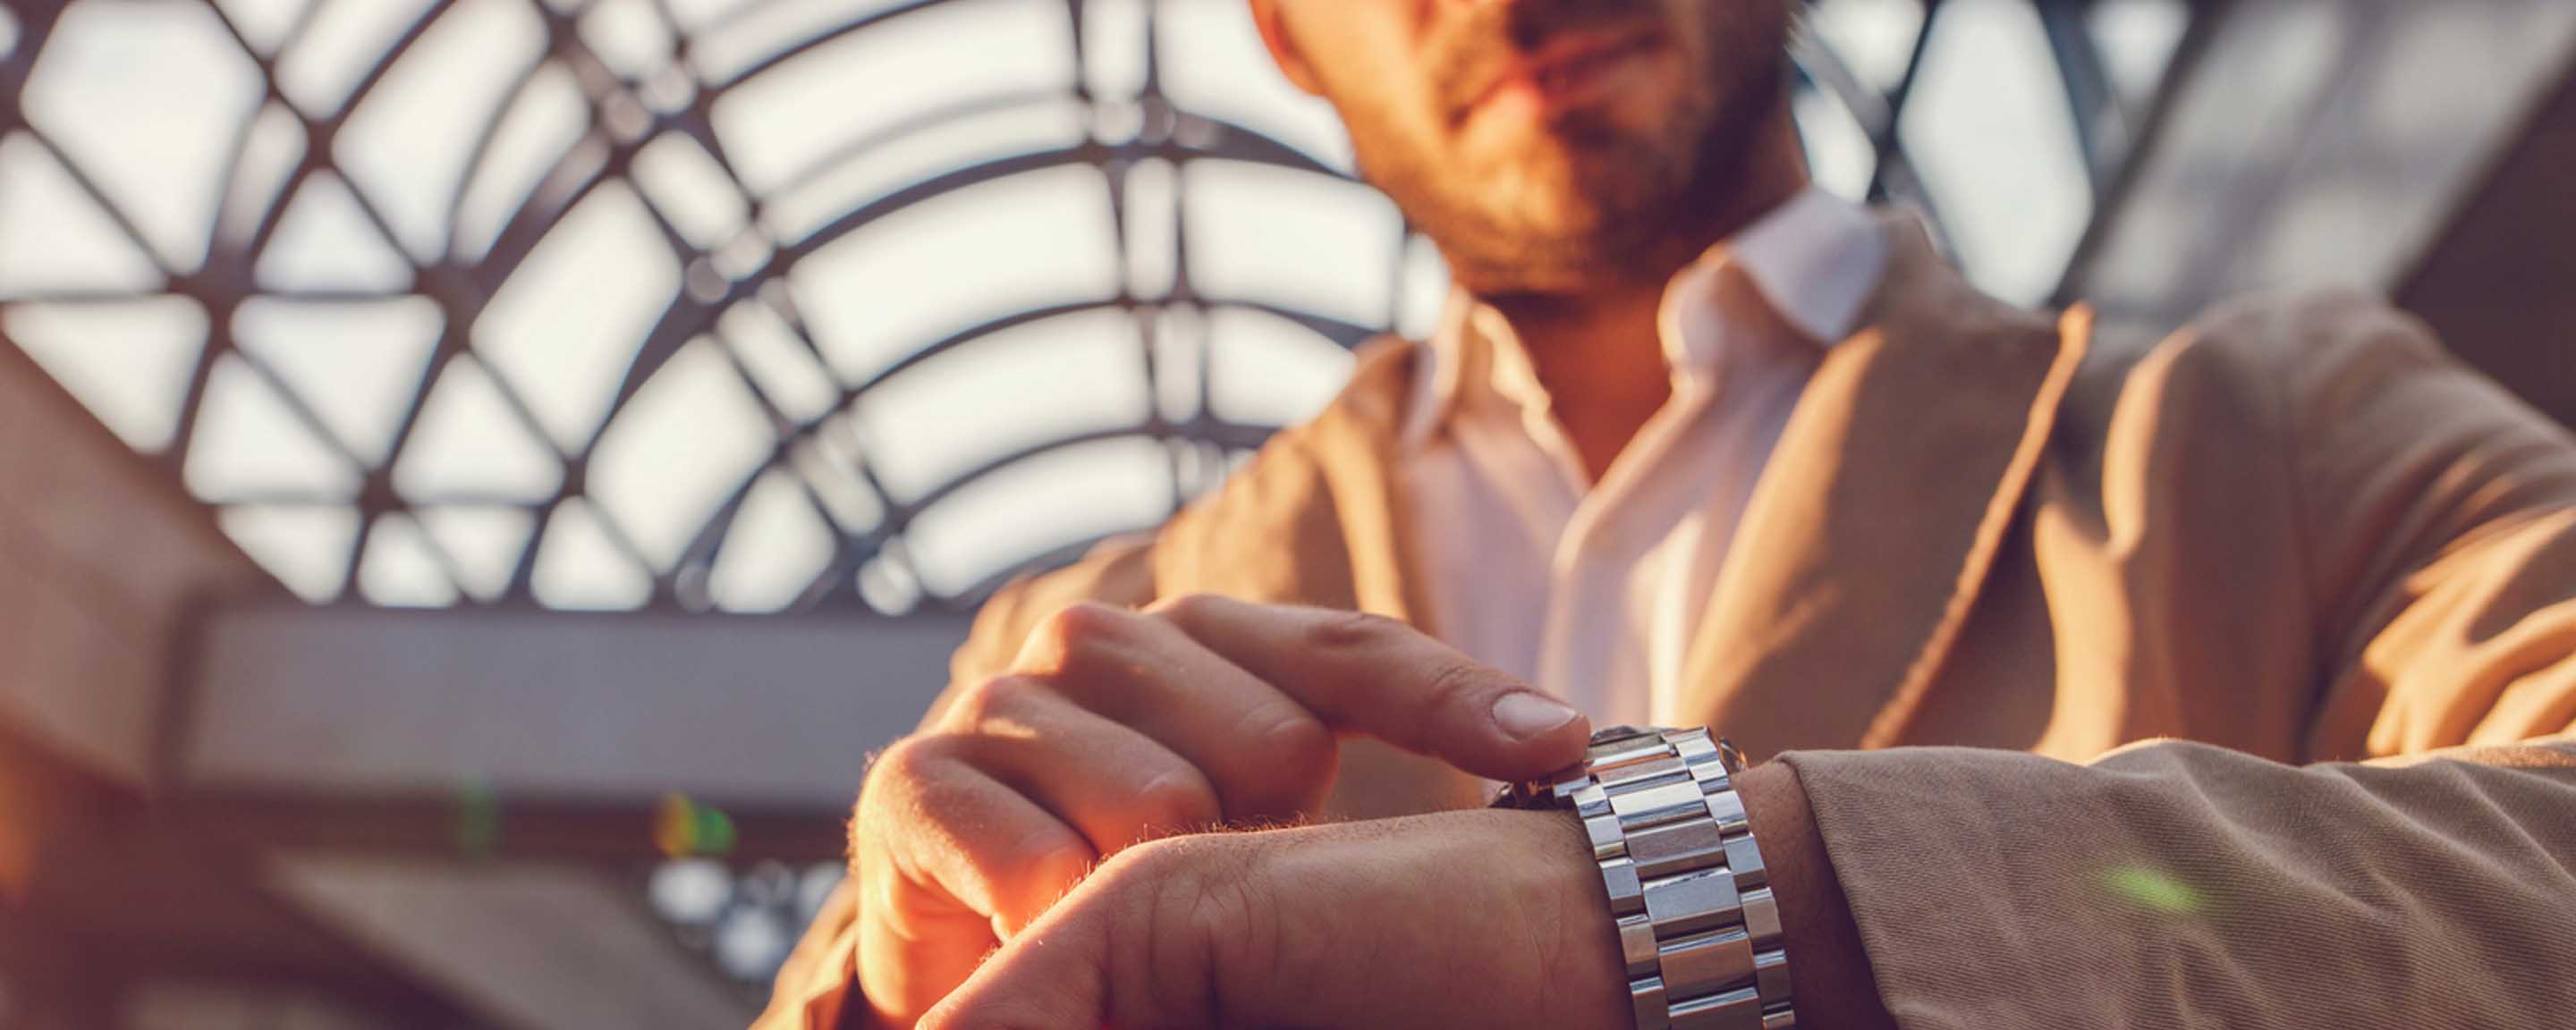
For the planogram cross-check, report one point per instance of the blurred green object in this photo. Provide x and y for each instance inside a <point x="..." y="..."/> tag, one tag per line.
<point x="2153" y="890"/>
<point x="685" y="828"/>
<point x="478" y="820"/>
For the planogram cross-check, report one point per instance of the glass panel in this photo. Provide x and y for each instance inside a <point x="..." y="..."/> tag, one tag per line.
<point x="469" y="444"/>
<point x="325" y="243"/>
<point x="691" y="190"/>
<point x="1113" y="38"/>
<point x="53" y="237"/>
<point x="1153" y="237"/>
<point x="1426" y="289"/>
<point x="629" y="36"/>
<point x="249" y="444"/>
<point x="1299" y="239"/>
<point x="564" y="329"/>
<point x="337" y="49"/>
<point x="776" y="548"/>
<point x="1269" y="371"/>
<point x="548" y="117"/>
<point x="874" y="172"/>
<point x="763" y="29"/>
<point x="829" y="463"/>
<point x="787" y="372"/>
<point x="1875" y="38"/>
<point x="263" y="23"/>
<point x="268" y="162"/>
<point x="358" y="366"/>
<point x="780" y="124"/>
<point x="947" y="265"/>
<point x="2137" y="39"/>
<point x="1029" y="508"/>
<point x="1180" y="364"/>
<point x="485" y="544"/>
<point x="127" y="363"/>
<point x="1214" y="64"/>
<point x="690" y="438"/>
<point x="579" y="568"/>
<point x="1990" y="130"/>
<point x="887" y="584"/>
<point x="407" y="145"/>
<point x="305" y="548"/>
<point x="400" y="570"/>
<point x="146" y="98"/>
<point x="1840" y="157"/>
<point x="1039" y="382"/>
<point x="694" y="15"/>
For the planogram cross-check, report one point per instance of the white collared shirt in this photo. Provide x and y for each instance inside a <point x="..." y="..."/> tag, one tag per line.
<point x="1594" y="590"/>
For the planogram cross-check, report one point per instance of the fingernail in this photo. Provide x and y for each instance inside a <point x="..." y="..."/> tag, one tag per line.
<point x="1525" y="715"/>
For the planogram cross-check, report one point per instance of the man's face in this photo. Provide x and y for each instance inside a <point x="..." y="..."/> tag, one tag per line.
<point x="1549" y="145"/>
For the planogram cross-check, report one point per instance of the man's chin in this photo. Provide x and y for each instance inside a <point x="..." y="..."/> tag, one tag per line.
<point x="1567" y="260"/>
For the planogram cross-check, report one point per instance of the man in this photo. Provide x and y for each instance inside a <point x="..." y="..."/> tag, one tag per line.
<point x="1699" y="446"/>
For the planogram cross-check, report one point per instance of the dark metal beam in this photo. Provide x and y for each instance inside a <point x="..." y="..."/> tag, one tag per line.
<point x="2499" y="284"/>
<point x="2112" y="199"/>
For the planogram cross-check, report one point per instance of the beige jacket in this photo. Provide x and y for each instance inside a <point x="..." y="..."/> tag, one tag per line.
<point x="2293" y="535"/>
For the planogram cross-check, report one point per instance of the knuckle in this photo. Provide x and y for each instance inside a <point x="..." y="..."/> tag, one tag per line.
<point x="1299" y="752"/>
<point x="982" y="702"/>
<point x="1344" y="630"/>
<point x="897" y="783"/>
<point x="903" y="761"/>
<point x="1055" y="857"/>
<point x="1177" y="802"/>
<point x="1185" y="609"/>
<point x="1060" y="642"/>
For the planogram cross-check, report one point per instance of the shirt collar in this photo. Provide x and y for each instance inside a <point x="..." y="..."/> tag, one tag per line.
<point x="1815" y="259"/>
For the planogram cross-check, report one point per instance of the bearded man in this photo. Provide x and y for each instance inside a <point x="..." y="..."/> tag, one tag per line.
<point x="2218" y="681"/>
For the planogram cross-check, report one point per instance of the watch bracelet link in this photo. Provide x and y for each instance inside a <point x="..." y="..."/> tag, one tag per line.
<point x="1697" y="923"/>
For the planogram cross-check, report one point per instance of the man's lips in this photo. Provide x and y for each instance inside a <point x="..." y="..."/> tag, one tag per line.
<point x="1565" y="71"/>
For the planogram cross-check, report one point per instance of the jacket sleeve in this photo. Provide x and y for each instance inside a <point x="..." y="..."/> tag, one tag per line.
<point x="2429" y="882"/>
<point x="816" y="989"/>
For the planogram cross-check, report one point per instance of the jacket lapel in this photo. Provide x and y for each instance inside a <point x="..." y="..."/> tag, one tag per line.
<point x="1355" y="445"/>
<point x="1880" y="512"/>
<point x="1315" y="521"/>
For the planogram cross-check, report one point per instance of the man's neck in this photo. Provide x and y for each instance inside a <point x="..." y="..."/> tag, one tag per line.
<point x="1601" y="358"/>
<point x="1599" y="353"/>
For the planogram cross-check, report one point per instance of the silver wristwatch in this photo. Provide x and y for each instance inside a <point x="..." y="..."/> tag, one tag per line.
<point x="1697" y="923"/>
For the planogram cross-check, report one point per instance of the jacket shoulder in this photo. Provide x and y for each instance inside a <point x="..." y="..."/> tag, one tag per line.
<point x="2280" y="358"/>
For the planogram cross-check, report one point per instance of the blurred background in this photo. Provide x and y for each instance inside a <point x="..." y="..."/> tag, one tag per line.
<point x="477" y="477"/>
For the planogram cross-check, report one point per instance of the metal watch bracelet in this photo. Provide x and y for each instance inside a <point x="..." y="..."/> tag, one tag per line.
<point x="1697" y="923"/>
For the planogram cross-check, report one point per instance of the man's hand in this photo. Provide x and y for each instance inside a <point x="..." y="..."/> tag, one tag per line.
<point x="1485" y="919"/>
<point x="1118" y="727"/>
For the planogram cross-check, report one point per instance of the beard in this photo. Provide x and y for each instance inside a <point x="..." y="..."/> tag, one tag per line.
<point x="1595" y="197"/>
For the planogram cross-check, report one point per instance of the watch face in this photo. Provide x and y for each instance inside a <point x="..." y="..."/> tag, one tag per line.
<point x="1607" y="734"/>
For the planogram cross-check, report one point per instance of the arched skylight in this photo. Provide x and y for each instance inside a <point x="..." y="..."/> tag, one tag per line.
<point x="750" y="305"/>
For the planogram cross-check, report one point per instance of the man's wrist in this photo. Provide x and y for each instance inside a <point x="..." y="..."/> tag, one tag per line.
<point x="1829" y="970"/>
<point x="1586" y="962"/>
